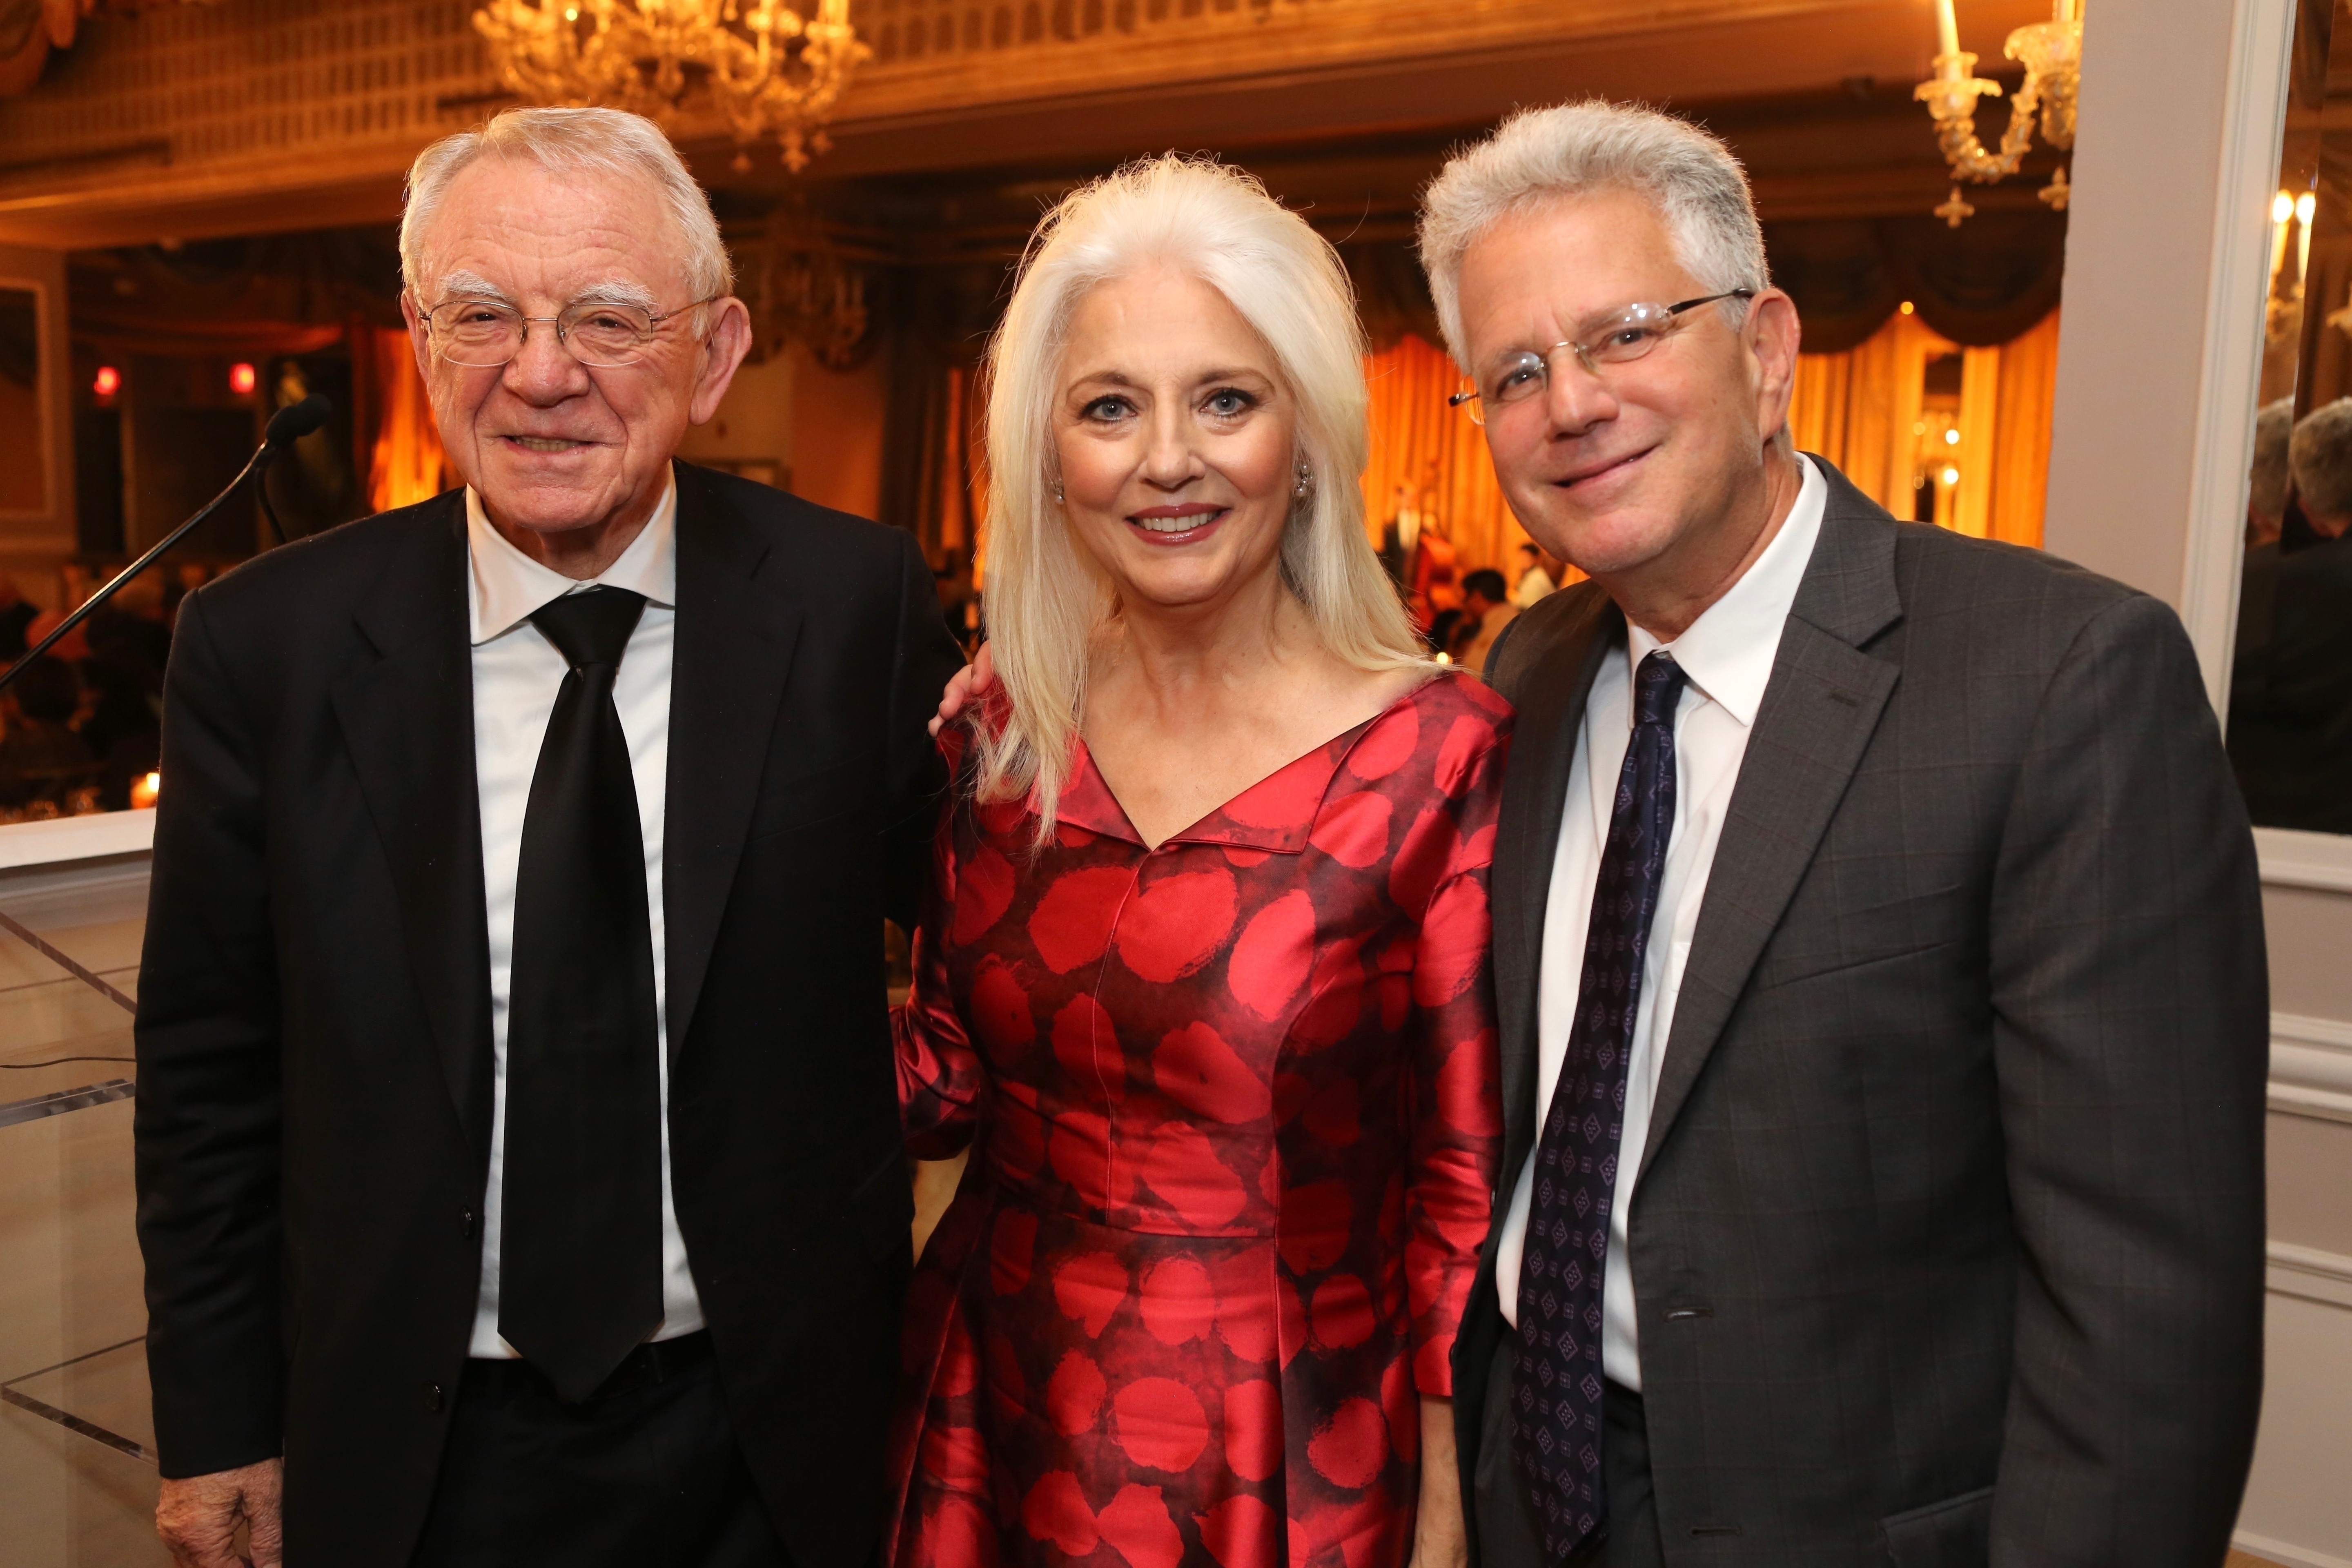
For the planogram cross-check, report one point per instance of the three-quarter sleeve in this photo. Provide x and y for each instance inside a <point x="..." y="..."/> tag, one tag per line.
<point x="940" y="1073"/>
<point x="1457" y="1123"/>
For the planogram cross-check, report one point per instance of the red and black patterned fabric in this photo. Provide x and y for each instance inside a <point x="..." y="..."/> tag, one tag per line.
<point x="1235" y="1107"/>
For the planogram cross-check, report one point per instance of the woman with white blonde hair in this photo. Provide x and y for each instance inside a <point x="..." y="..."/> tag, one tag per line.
<point x="1205" y="963"/>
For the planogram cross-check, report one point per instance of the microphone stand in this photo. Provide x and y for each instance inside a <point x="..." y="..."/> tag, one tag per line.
<point x="289" y="425"/>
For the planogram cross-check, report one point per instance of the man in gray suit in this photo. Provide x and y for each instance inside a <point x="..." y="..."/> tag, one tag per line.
<point x="1880" y="959"/>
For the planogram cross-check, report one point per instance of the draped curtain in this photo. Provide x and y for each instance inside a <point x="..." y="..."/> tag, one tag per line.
<point x="1860" y="409"/>
<point x="1437" y="453"/>
<point x="407" y="465"/>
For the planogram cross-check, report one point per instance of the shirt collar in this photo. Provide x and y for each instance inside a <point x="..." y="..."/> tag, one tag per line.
<point x="506" y="587"/>
<point x="1727" y="652"/>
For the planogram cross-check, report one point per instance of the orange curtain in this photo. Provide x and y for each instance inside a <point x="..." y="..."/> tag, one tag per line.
<point x="1437" y="453"/>
<point x="408" y="461"/>
<point x="1862" y="410"/>
<point x="2021" y="466"/>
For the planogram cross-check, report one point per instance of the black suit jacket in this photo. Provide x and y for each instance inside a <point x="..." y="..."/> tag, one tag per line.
<point x="1946" y="1240"/>
<point x="314" y="1035"/>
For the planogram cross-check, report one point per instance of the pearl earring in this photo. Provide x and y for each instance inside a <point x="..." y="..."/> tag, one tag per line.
<point x="1306" y="479"/>
<point x="1057" y="495"/>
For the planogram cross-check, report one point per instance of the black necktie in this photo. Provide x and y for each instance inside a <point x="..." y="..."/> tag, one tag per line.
<point x="1556" y="1376"/>
<point x="579" y="1252"/>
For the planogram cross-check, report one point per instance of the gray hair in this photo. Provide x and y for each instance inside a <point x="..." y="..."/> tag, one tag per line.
<point x="1539" y="155"/>
<point x="2274" y="426"/>
<point x="2321" y="456"/>
<point x="1046" y="601"/>
<point x="565" y="141"/>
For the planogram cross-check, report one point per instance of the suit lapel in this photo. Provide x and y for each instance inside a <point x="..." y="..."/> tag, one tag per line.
<point x="734" y="653"/>
<point x="408" y="723"/>
<point x="1549" y="696"/>
<point x="1819" y="711"/>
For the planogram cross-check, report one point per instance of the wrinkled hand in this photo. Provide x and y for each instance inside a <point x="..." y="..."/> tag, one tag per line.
<point x="1440" y="1537"/>
<point x="965" y="686"/>
<point x="197" y="1516"/>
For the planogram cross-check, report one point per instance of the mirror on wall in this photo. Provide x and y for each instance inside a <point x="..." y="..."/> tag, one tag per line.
<point x="2290" y="710"/>
<point x="24" y="476"/>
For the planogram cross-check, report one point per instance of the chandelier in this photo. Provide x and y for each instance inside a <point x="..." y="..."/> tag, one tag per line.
<point x="2051" y="53"/>
<point x="761" y="65"/>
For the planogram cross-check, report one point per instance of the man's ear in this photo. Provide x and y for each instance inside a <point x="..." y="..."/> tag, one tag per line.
<point x="723" y="348"/>
<point x="417" y="338"/>
<point x="1774" y="336"/>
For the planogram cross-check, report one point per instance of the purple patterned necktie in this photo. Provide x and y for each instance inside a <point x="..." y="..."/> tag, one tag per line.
<point x="1556" y="1375"/>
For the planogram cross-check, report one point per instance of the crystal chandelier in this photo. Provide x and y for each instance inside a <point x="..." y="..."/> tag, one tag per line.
<point x="764" y="68"/>
<point x="2051" y="53"/>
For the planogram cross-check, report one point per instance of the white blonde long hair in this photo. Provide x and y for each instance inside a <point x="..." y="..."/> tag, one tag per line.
<point x="1046" y="598"/>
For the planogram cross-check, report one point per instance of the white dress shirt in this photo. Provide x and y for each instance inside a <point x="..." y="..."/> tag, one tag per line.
<point x="517" y="673"/>
<point x="1727" y="654"/>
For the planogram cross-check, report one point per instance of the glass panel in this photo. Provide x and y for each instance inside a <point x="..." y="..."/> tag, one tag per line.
<point x="24" y="478"/>
<point x="2290" y="718"/>
<point x="77" y="1467"/>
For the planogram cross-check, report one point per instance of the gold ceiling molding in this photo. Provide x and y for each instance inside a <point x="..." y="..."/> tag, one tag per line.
<point x="30" y="29"/>
<point x="266" y="115"/>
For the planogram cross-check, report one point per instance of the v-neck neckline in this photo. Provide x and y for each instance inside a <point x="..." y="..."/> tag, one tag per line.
<point x="1272" y="815"/>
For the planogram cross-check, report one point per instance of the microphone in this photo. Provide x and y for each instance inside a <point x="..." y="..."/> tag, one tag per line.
<point x="291" y="424"/>
<point x="286" y="427"/>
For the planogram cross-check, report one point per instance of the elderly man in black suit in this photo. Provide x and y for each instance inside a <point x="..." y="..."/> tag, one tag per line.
<point x="1879" y="960"/>
<point x="519" y="1153"/>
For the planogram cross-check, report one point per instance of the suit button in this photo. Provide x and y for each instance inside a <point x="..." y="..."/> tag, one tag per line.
<point x="430" y="1399"/>
<point x="466" y="1221"/>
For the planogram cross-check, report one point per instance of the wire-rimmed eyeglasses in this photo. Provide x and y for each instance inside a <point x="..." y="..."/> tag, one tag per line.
<point x="1627" y="335"/>
<point x="482" y="334"/>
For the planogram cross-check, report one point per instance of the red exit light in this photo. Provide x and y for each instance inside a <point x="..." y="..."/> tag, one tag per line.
<point x="109" y="381"/>
<point x="240" y="378"/>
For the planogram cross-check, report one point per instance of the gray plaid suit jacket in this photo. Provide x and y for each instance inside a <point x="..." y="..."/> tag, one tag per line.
<point x="1947" y="1238"/>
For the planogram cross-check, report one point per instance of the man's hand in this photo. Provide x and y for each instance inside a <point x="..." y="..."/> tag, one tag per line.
<point x="198" y="1517"/>
<point x="1440" y="1537"/>
<point x="964" y="686"/>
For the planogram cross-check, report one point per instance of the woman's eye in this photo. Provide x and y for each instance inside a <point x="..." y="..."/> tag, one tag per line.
<point x="1104" y="408"/>
<point x="1227" y="402"/>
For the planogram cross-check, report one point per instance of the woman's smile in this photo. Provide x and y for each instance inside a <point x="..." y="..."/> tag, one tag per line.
<point x="1178" y="524"/>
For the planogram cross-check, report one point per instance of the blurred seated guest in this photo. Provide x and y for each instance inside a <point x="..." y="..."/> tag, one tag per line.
<point x="1400" y="535"/>
<point x="1442" y="629"/>
<point x="1222" y="841"/>
<point x="2266" y="492"/>
<point x="960" y="600"/>
<point x="1534" y="581"/>
<point x="41" y="759"/>
<point x="129" y="759"/>
<point x="1435" y="588"/>
<point x="1486" y="609"/>
<point x="16" y="612"/>
<point x="123" y="678"/>
<point x="73" y="647"/>
<point x="134" y="623"/>
<point x="2268" y="495"/>
<point x="2291" y="709"/>
<point x="190" y="576"/>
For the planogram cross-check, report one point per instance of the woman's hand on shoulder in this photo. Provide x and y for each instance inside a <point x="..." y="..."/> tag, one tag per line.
<point x="967" y="685"/>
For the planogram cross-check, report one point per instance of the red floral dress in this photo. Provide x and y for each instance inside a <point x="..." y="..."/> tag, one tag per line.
<point x="1237" y="1114"/>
